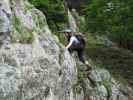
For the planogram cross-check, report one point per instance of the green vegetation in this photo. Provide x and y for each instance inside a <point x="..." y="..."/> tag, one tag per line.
<point x="27" y="38"/>
<point x="21" y="34"/>
<point x="107" y="85"/>
<point x="17" y="24"/>
<point x="54" y="11"/>
<point x="112" y="18"/>
<point x="61" y="37"/>
<point x="77" y="89"/>
<point x="117" y="61"/>
<point x="28" y="6"/>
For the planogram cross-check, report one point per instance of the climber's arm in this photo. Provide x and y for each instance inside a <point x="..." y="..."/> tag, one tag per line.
<point x="70" y="43"/>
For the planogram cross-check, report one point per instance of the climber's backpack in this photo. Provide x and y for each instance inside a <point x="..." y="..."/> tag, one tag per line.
<point x="81" y="39"/>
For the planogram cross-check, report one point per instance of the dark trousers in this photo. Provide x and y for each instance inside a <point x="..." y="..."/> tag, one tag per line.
<point x="79" y="48"/>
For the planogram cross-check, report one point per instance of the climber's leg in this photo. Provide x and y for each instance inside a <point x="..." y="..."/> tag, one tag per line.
<point x="82" y="59"/>
<point x="72" y="48"/>
<point x="81" y="55"/>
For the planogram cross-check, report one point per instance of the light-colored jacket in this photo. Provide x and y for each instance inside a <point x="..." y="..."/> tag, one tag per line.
<point x="73" y="39"/>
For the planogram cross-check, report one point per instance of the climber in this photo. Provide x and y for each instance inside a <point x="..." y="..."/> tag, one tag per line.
<point x="76" y="43"/>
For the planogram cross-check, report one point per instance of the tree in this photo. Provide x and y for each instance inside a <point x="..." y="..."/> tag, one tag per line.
<point x="113" y="18"/>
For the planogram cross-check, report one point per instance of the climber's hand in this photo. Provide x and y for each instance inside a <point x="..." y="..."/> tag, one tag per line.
<point x="67" y="47"/>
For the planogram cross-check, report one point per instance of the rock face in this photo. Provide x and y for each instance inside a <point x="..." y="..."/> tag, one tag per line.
<point x="72" y="22"/>
<point x="41" y="70"/>
<point x="35" y="66"/>
<point x="105" y="87"/>
<point x="100" y="85"/>
<point x="4" y="20"/>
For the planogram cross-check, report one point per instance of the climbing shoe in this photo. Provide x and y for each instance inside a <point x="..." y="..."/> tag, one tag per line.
<point x="88" y="67"/>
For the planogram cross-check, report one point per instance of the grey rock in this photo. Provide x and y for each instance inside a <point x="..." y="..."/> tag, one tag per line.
<point x="4" y="22"/>
<point x="31" y="71"/>
<point x="44" y="69"/>
<point x="99" y="75"/>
